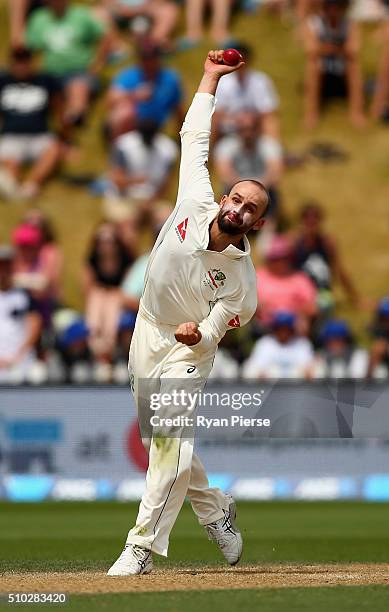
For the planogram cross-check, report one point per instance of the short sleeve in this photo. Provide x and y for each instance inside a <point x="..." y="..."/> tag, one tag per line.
<point x="35" y="29"/>
<point x="94" y="29"/>
<point x="267" y="100"/>
<point x="170" y="151"/>
<point x="270" y="148"/>
<point x="226" y="148"/>
<point x="127" y="80"/>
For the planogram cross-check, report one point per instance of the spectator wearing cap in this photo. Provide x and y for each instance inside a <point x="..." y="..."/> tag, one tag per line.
<point x="379" y="350"/>
<point x="338" y="357"/>
<point x="332" y="45"/>
<point x="147" y="91"/>
<point x="249" y="153"/>
<point x="74" y="45"/>
<point x="51" y="255"/>
<point x="160" y="16"/>
<point x="28" y="101"/>
<point x="281" y="353"/>
<point x="281" y="287"/>
<point x="317" y="254"/>
<point x="246" y="90"/>
<point x="75" y="354"/>
<point x="20" y="324"/>
<point x="31" y="271"/>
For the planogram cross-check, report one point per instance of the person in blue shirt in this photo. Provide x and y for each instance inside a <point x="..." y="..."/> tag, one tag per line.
<point x="147" y="90"/>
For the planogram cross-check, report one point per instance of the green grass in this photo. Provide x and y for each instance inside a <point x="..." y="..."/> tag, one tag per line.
<point x="88" y="536"/>
<point x="355" y="194"/>
<point x="75" y="536"/>
<point x="266" y="600"/>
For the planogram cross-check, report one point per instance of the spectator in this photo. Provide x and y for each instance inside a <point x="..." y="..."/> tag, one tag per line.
<point x="32" y="271"/>
<point x="338" y="357"/>
<point x="20" y="324"/>
<point x="141" y="165"/>
<point x="104" y="271"/>
<point x="332" y="66"/>
<point x="27" y="99"/>
<point x="50" y="254"/>
<point x="247" y="89"/>
<point x="316" y="254"/>
<point x="161" y="17"/>
<point x="147" y="91"/>
<point x="280" y="287"/>
<point x="281" y="353"/>
<point x="74" y="46"/>
<point x="379" y="351"/>
<point x="220" y="20"/>
<point x="379" y="108"/>
<point x="249" y="154"/>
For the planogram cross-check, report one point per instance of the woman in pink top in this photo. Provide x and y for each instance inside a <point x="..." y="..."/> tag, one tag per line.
<point x="281" y="288"/>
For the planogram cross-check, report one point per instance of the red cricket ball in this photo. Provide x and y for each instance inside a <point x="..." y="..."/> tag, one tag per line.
<point x="232" y="57"/>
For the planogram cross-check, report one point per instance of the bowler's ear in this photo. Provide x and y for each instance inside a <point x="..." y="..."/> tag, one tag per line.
<point x="223" y="200"/>
<point x="260" y="223"/>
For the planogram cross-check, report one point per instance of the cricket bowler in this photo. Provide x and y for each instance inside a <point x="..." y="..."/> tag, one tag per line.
<point x="199" y="283"/>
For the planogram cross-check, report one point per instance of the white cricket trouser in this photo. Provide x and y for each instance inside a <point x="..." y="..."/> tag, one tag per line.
<point x="157" y="363"/>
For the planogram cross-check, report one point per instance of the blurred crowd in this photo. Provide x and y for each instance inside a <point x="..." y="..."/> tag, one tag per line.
<point x="58" y="54"/>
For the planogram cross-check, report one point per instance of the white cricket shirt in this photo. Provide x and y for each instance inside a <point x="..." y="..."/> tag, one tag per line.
<point x="184" y="280"/>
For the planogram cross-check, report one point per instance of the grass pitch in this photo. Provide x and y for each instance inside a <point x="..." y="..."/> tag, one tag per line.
<point x="287" y="545"/>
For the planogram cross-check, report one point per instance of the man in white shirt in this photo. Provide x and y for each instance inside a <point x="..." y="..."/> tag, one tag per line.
<point x="20" y="324"/>
<point x="199" y="283"/>
<point x="247" y="90"/>
<point x="142" y="161"/>
<point x="248" y="153"/>
<point x="282" y="353"/>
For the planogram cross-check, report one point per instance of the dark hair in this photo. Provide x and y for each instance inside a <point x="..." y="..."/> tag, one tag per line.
<point x="311" y="206"/>
<point x="148" y="130"/>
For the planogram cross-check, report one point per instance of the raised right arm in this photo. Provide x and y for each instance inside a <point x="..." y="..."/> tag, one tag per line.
<point x="194" y="180"/>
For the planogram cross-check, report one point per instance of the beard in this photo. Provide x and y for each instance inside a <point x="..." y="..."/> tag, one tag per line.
<point x="228" y="227"/>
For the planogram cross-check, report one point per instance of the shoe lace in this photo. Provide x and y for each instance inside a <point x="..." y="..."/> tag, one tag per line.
<point x="220" y="530"/>
<point x="138" y="552"/>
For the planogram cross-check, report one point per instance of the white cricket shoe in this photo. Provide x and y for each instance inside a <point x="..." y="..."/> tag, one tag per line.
<point x="133" y="560"/>
<point x="226" y="534"/>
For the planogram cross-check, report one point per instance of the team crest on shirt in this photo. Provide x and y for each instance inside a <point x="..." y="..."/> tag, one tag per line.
<point x="235" y="322"/>
<point x="214" y="278"/>
<point x="181" y="229"/>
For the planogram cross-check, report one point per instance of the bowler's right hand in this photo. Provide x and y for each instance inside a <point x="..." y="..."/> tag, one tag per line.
<point x="188" y="333"/>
